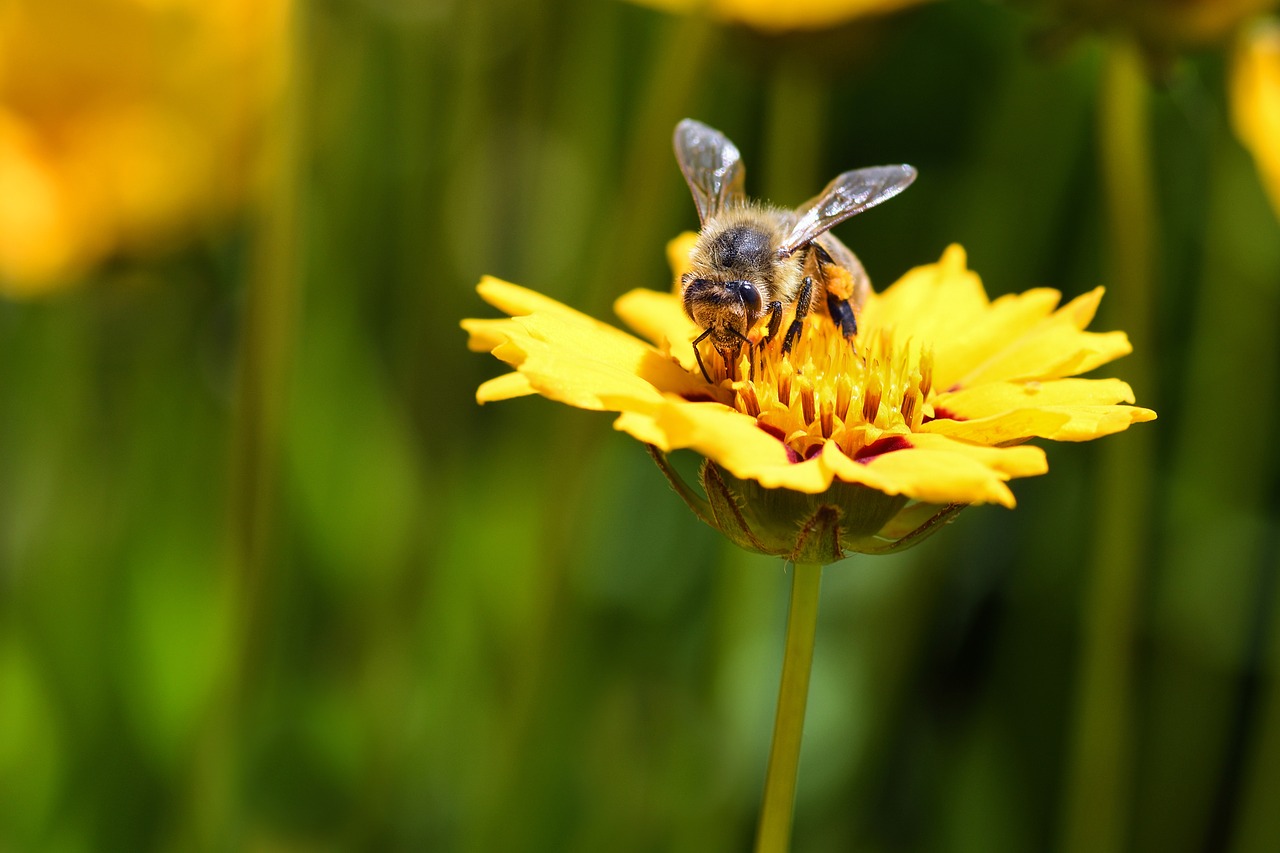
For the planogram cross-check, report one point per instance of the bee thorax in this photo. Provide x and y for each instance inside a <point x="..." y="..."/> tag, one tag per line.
<point x="741" y="247"/>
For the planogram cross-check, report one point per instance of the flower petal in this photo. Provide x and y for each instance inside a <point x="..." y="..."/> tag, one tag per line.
<point x="517" y="301"/>
<point x="1054" y="347"/>
<point x="931" y="302"/>
<point x="660" y="319"/>
<point x="1255" y="101"/>
<point x="996" y="397"/>
<point x="939" y="470"/>
<point x="931" y="468"/>
<point x="1061" y="409"/>
<point x="1059" y="423"/>
<point x="1004" y="320"/>
<point x="573" y="358"/>
<point x="679" y="251"/>
<point x="505" y="387"/>
<point x="772" y="17"/>
<point x="718" y="432"/>
<point x="945" y="306"/>
<point x="485" y="335"/>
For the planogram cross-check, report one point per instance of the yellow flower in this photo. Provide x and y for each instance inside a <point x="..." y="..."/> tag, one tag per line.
<point x="1165" y="27"/>
<point x="125" y="125"/>
<point x="1255" y="101"/>
<point x="770" y="16"/>
<point x="839" y="446"/>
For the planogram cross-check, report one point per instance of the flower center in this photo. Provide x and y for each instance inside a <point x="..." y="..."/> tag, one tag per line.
<point x="828" y="388"/>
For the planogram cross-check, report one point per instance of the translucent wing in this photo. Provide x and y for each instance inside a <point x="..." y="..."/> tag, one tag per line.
<point x="849" y="194"/>
<point x="711" y="164"/>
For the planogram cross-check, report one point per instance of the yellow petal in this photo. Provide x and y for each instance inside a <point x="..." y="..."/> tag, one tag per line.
<point x="517" y="301"/>
<point x="945" y="306"/>
<point x="679" y="250"/>
<point x="1008" y="462"/>
<point x="485" y="335"/>
<point x="939" y="470"/>
<point x="573" y="358"/>
<point x="577" y="367"/>
<point x="1255" y="102"/>
<point x="930" y="303"/>
<point x="660" y="319"/>
<point x="737" y="444"/>
<point x="930" y="468"/>
<point x="996" y="397"/>
<point x="1059" y="423"/>
<point x="1061" y="409"/>
<point x="770" y="16"/>
<point x="1004" y="320"/>
<point x="718" y="432"/>
<point x="1054" y="347"/>
<point x="504" y="387"/>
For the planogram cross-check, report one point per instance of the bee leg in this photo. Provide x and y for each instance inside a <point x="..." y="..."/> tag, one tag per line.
<point x="802" y="311"/>
<point x="775" y="320"/>
<point x="698" y="356"/>
<point x="842" y="312"/>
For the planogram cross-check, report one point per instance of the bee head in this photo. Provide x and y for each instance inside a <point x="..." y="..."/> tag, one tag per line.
<point x="726" y="309"/>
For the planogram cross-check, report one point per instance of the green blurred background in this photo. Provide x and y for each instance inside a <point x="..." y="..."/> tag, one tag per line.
<point x="271" y="580"/>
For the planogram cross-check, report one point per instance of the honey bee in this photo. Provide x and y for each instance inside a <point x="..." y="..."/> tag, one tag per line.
<point x="753" y="259"/>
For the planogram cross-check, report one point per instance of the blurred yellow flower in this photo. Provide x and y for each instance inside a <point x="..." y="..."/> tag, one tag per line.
<point x="1255" y="101"/>
<point x="1165" y="27"/>
<point x="768" y="16"/>
<point x="125" y="125"/>
<point x="860" y="445"/>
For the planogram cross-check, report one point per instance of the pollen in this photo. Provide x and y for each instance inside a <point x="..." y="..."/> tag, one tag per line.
<point x="832" y="389"/>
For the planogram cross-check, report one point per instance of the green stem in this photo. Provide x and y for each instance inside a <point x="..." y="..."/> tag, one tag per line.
<point x="784" y="755"/>
<point x="270" y="320"/>
<point x="1099" y="785"/>
<point x="266" y="346"/>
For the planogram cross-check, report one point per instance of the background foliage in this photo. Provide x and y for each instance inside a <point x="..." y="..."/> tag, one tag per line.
<point x="270" y="579"/>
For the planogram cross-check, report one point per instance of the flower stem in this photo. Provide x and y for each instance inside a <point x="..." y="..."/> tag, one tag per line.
<point x="774" y="834"/>
<point x="213" y="813"/>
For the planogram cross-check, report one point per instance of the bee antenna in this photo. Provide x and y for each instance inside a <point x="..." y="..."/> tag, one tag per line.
<point x="698" y="356"/>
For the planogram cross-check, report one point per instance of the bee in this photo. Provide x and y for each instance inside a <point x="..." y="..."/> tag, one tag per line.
<point x="753" y="259"/>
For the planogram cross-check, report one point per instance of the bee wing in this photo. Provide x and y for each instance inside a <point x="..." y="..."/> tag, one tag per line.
<point x="847" y="195"/>
<point x="711" y="165"/>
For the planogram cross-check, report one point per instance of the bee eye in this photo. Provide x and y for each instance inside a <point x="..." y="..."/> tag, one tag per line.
<point x="747" y="292"/>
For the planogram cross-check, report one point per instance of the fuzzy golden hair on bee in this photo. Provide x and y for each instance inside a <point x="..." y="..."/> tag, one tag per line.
<point x="744" y="240"/>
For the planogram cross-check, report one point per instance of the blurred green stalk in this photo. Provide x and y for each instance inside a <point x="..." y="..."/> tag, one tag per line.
<point x="266" y="345"/>
<point x="774" y="834"/>
<point x="797" y="118"/>
<point x="270" y="315"/>
<point x="1100" y="765"/>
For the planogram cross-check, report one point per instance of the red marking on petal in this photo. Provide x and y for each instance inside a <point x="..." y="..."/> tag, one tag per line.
<point x="777" y="433"/>
<point x="772" y="430"/>
<point x="880" y="447"/>
<point x="699" y="397"/>
<point x="940" y="413"/>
